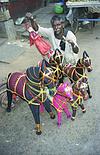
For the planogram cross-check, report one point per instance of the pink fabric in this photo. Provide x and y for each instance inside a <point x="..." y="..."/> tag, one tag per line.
<point x="63" y="94"/>
<point x="42" y="45"/>
<point x="58" y="102"/>
<point x="41" y="108"/>
<point x="65" y="89"/>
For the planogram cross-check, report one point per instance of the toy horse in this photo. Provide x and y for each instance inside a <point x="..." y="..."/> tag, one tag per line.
<point x="59" y="101"/>
<point x="75" y="73"/>
<point x="30" y="86"/>
<point x="79" y="93"/>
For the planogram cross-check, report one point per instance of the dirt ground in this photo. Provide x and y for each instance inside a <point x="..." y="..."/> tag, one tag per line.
<point x="81" y="137"/>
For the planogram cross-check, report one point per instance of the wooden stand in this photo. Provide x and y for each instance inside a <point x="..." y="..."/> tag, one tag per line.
<point x="7" y="29"/>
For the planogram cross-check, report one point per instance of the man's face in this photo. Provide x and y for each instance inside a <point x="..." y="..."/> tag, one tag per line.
<point x="57" y="27"/>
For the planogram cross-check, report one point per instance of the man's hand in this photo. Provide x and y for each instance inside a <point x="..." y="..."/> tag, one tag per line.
<point x="74" y="47"/>
<point x="32" y="20"/>
<point x="29" y="16"/>
<point x="70" y="41"/>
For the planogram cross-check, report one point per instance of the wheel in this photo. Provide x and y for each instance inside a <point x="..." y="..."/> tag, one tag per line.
<point x="3" y="95"/>
<point x="75" y="25"/>
<point x="3" y="100"/>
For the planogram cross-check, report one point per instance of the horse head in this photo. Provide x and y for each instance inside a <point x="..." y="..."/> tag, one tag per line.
<point x="81" y="87"/>
<point x="65" y="89"/>
<point x="48" y="76"/>
<point x="56" y="58"/>
<point x="56" y="63"/>
<point x="85" y="62"/>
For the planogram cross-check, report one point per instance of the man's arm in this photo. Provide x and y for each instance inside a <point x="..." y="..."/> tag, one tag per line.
<point x="32" y="19"/>
<point x="46" y="32"/>
<point x="34" y="24"/>
<point x="75" y="48"/>
<point x="71" y="38"/>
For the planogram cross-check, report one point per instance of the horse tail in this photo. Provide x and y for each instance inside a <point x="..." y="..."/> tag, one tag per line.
<point x="8" y="80"/>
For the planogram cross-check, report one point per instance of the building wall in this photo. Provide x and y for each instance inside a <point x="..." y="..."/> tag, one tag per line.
<point x="18" y="8"/>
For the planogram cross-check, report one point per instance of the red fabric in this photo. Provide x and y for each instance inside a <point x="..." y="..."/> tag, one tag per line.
<point x="42" y="45"/>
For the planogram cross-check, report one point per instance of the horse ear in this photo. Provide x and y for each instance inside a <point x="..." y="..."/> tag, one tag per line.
<point x="85" y="54"/>
<point x="53" y="58"/>
<point x="44" y="64"/>
<point x="58" y="56"/>
<point x="57" y="51"/>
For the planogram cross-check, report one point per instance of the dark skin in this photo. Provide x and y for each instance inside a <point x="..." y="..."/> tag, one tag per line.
<point x="34" y="25"/>
<point x="58" y="27"/>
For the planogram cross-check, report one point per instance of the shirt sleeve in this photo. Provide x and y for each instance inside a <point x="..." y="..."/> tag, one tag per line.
<point x="45" y="32"/>
<point x="71" y="36"/>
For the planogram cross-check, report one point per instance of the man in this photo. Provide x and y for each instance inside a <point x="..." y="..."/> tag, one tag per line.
<point x="65" y="41"/>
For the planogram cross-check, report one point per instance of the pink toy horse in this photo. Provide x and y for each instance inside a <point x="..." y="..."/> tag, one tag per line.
<point x="63" y="95"/>
<point x="67" y="94"/>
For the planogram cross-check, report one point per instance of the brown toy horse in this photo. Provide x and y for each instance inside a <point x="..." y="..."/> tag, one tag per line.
<point x="75" y="73"/>
<point x="79" y="94"/>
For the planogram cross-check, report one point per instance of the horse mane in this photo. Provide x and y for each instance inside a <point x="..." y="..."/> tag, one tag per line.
<point x="80" y="68"/>
<point x="80" y="63"/>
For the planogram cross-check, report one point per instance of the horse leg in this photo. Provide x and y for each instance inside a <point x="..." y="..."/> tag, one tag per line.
<point x="36" y="114"/>
<point x="47" y="106"/>
<point x="73" y="113"/>
<point x="9" y="97"/>
<point x="82" y="107"/>
<point x="66" y="110"/>
<point x="59" y="118"/>
<point x="88" y="91"/>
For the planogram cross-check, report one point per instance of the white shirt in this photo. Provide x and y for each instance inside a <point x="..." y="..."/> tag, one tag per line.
<point x="69" y="56"/>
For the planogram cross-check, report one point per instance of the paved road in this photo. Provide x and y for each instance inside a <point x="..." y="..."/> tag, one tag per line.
<point x="81" y="137"/>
